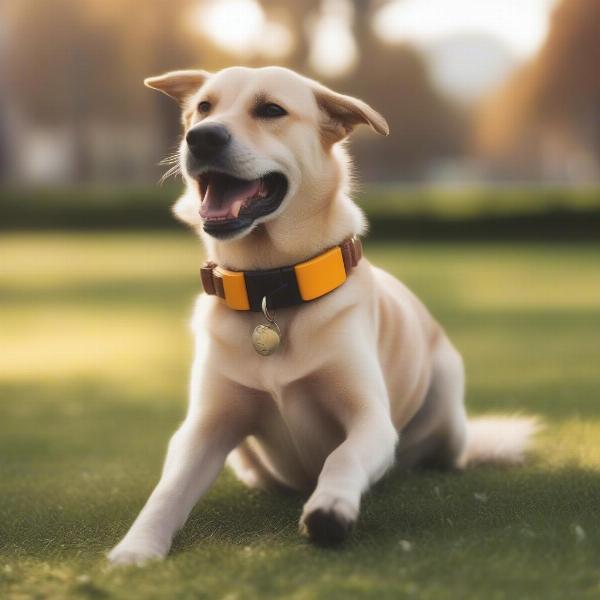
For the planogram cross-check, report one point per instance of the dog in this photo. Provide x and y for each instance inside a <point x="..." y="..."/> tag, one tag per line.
<point x="314" y="370"/>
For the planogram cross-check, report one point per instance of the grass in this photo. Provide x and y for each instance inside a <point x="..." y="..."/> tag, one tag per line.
<point x="93" y="377"/>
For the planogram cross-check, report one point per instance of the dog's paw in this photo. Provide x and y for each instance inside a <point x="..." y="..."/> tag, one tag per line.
<point x="134" y="553"/>
<point x="327" y="520"/>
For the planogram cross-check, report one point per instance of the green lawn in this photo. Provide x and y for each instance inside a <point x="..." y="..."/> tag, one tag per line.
<point x="94" y="360"/>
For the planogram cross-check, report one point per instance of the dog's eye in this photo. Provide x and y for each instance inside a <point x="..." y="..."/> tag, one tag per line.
<point x="204" y="106"/>
<point x="270" y="111"/>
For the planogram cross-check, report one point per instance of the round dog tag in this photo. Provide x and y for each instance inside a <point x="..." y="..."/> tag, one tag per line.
<point x="265" y="339"/>
<point x="266" y="336"/>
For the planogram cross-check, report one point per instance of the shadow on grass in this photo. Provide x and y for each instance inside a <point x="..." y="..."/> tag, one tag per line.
<point x="420" y="506"/>
<point x="521" y="531"/>
<point x="73" y="480"/>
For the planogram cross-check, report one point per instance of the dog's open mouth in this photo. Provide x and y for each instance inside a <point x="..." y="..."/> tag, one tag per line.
<point x="230" y="204"/>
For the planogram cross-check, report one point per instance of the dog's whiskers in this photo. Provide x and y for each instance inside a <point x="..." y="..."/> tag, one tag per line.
<point x="170" y="159"/>
<point x="172" y="172"/>
<point x="173" y="159"/>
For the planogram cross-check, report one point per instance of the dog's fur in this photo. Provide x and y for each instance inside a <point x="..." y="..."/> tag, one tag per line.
<point x="364" y="377"/>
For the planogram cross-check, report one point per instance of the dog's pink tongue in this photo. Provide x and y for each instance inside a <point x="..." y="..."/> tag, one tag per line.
<point x="225" y="195"/>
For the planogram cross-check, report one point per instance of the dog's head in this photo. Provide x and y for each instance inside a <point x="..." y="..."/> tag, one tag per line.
<point x="258" y="144"/>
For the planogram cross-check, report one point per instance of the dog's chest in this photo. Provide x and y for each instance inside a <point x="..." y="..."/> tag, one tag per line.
<point x="273" y="373"/>
<point x="295" y="419"/>
<point x="302" y="352"/>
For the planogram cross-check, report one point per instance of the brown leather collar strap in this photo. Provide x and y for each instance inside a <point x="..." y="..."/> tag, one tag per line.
<point x="284" y="287"/>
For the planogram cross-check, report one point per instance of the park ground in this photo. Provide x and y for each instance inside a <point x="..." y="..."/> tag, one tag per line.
<point x="93" y="376"/>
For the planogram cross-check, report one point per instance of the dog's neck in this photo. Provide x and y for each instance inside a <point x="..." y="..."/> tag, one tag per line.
<point x="288" y="240"/>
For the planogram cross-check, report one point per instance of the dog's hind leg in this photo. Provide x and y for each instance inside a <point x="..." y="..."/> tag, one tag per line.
<point x="436" y="435"/>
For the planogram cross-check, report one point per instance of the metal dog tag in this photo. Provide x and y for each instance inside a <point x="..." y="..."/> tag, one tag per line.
<point x="265" y="339"/>
<point x="266" y="336"/>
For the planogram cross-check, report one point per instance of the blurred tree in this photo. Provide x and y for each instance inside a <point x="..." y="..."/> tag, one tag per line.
<point x="4" y="133"/>
<point x="553" y="104"/>
<point x="4" y="144"/>
<point x="55" y="74"/>
<point x="293" y="14"/>
<point x="424" y="126"/>
<point x="82" y="65"/>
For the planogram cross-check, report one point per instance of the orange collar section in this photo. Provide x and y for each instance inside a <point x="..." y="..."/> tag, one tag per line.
<point x="284" y="287"/>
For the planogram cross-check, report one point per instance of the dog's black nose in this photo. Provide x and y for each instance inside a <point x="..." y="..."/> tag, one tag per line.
<point x="206" y="141"/>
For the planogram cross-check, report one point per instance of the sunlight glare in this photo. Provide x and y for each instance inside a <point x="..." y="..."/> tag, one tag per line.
<point x="333" y="51"/>
<point x="234" y="25"/>
<point x="522" y="25"/>
<point x="275" y="40"/>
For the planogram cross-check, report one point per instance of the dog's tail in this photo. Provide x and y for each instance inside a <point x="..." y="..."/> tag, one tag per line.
<point x="498" y="440"/>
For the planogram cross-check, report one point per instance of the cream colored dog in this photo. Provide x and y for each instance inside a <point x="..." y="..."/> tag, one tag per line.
<point x="364" y="377"/>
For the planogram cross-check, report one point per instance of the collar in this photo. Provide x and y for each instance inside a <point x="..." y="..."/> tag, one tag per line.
<point x="286" y="286"/>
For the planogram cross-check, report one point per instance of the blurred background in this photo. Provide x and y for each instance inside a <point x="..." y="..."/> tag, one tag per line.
<point x="474" y="91"/>
<point x="497" y="100"/>
<point x="485" y="200"/>
<point x="477" y="93"/>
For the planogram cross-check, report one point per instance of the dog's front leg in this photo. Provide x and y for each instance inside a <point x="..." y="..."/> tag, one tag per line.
<point x="196" y="455"/>
<point x="359" y="461"/>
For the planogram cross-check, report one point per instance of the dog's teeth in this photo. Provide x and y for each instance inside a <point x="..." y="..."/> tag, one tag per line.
<point x="261" y="191"/>
<point x="235" y="208"/>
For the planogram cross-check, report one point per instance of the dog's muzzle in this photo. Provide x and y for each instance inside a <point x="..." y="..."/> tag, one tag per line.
<point x="230" y="202"/>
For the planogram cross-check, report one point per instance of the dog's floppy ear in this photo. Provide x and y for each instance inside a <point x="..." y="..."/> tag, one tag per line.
<point x="344" y="113"/>
<point x="178" y="84"/>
